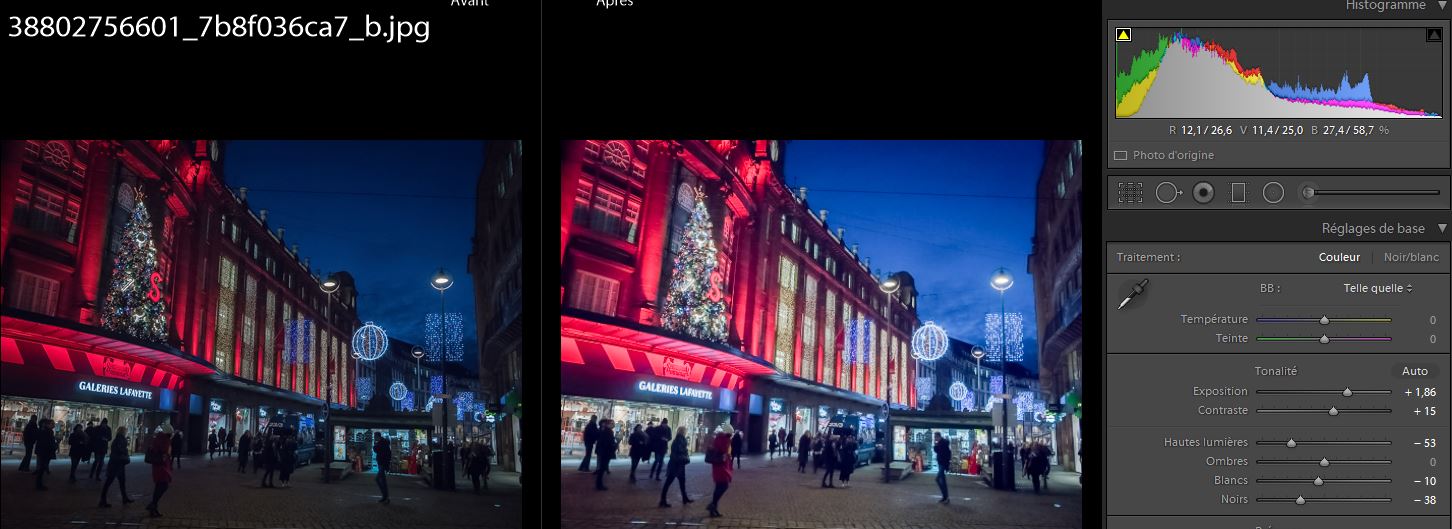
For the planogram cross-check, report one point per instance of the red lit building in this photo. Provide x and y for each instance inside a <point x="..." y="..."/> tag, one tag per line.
<point x="231" y="293"/>
<point x="696" y="287"/>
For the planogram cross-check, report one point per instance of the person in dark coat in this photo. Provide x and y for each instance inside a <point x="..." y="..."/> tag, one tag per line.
<point x="257" y="442"/>
<point x="99" y="444"/>
<point x="488" y="451"/>
<point x="738" y="445"/>
<point x="771" y="442"/>
<point x="605" y="444"/>
<point x="45" y="449"/>
<point x="1023" y="458"/>
<point x="676" y="470"/>
<point x="177" y="447"/>
<point x="1038" y="465"/>
<point x="660" y="441"/>
<point x="269" y="460"/>
<point x="945" y="459"/>
<point x="79" y="446"/>
<point x="383" y="454"/>
<point x="476" y="463"/>
<point x="789" y="442"/>
<point x="222" y="440"/>
<point x="211" y="444"/>
<point x="847" y="461"/>
<point x="721" y="470"/>
<point x="90" y="432"/>
<point x="639" y="448"/>
<point x="244" y="449"/>
<point x="160" y="468"/>
<point x="32" y="433"/>
<point x="804" y="450"/>
<point x="116" y="467"/>
<point x="829" y="461"/>
<point x="231" y="442"/>
<point x="591" y="431"/>
<point x="287" y="460"/>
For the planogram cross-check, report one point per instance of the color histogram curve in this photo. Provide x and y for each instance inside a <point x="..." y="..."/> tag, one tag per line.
<point x="1185" y="76"/>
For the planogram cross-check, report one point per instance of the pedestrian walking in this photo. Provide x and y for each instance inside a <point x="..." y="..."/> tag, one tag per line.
<point x="816" y="453"/>
<point x="660" y="441"/>
<point x="782" y="440"/>
<point x="676" y="470"/>
<point x="720" y="467"/>
<point x="848" y="462"/>
<point x="177" y="447"/>
<point x="257" y="442"/>
<point x="605" y="445"/>
<point x="1039" y="465"/>
<point x="211" y="445"/>
<point x="382" y="453"/>
<point x="789" y="442"/>
<point x="231" y="442"/>
<point x="478" y="463"/>
<point x="159" y="456"/>
<point x="99" y="444"/>
<point x="31" y="434"/>
<point x="90" y="431"/>
<point x="639" y="448"/>
<point x="222" y="441"/>
<point x="79" y="446"/>
<point x="945" y="458"/>
<point x="1023" y="458"/>
<point x="829" y="461"/>
<point x="287" y="460"/>
<point x="804" y="450"/>
<point x="269" y="460"/>
<point x="592" y="432"/>
<point x="45" y="449"/>
<point x="244" y="449"/>
<point x="738" y="445"/>
<point x="116" y="467"/>
<point x="771" y="442"/>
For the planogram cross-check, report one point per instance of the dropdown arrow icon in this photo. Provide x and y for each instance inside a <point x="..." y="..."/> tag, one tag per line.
<point x="1442" y="3"/>
<point x="1442" y="225"/>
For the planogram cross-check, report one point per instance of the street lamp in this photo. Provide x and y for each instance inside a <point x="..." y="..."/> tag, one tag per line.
<point x="418" y="353"/>
<point x="888" y="286"/>
<point x="356" y="356"/>
<point x="441" y="282"/>
<point x="329" y="285"/>
<point x="1001" y="281"/>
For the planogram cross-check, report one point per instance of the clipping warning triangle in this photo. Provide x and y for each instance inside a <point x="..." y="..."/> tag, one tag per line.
<point x="1121" y="34"/>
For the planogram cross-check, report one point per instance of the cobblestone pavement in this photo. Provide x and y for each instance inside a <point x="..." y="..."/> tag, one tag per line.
<point x="214" y="495"/>
<point x="772" y="494"/>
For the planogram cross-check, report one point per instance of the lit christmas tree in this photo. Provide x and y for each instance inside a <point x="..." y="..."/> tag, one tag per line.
<point x="694" y="305"/>
<point x="134" y="303"/>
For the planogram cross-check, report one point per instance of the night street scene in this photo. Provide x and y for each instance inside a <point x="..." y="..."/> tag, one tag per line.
<point x="824" y="334"/>
<point x="269" y="334"/>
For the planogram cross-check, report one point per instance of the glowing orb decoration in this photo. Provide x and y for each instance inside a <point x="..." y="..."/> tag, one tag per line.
<point x="370" y="341"/>
<point x="397" y="391"/>
<point x="930" y="342"/>
<point x="958" y="391"/>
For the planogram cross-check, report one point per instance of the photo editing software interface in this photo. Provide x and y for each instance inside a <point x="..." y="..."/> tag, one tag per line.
<point x="1276" y="265"/>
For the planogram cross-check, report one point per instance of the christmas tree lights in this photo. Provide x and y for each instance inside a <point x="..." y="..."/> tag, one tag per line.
<point x="695" y="305"/>
<point x="134" y="304"/>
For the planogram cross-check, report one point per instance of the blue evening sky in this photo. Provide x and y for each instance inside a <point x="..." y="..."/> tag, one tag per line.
<point x="948" y="212"/>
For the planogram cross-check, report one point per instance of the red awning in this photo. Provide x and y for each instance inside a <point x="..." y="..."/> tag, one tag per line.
<point x="629" y="349"/>
<point x="67" y="349"/>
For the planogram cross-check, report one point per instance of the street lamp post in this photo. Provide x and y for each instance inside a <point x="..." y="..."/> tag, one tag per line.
<point x="978" y="371"/>
<point x="329" y="285"/>
<point x="441" y="282"/>
<point x="889" y="286"/>
<point x="418" y="353"/>
<point x="1002" y="280"/>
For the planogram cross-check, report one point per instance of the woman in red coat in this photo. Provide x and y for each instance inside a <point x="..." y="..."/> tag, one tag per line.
<point x="721" y="468"/>
<point x="160" y="466"/>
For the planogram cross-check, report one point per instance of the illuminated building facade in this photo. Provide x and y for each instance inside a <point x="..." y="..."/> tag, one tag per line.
<point x="1056" y="266"/>
<point x="697" y="287"/>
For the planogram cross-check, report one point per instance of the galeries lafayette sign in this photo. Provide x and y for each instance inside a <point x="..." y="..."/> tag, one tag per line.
<point x="110" y="389"/>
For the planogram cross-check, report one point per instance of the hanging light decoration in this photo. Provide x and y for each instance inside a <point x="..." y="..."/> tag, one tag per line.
<point x="930" y="342"/>
<point x="958" y="391"/>
<point x="371" y="341"/>
<point x="397" y="391"/>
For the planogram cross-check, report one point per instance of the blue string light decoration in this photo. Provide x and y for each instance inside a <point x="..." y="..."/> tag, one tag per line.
<point x="995" y="384"/>
<point x="859" y="342"/>
<point x="397" y="391"/>
<point x="1004" y="342"/>
<point x="463" y="401"/>
<point x="307" y="338"/>
<point x="1023" y="402"/>
<point x="444" y="341"/>
<point x="436" y="384"/>
<point x="290" y="348"/>
<point x="930" y="342"/>
<point x="365" y="388"/>
<point x="370" y="341"/>
<point x="407" y="402"/>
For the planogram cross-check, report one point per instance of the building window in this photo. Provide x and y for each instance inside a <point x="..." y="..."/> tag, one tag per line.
<point x="617" y="156"/>
<point x="31" y="292"/>
<point x="809" y="329"/>
<point x="785" y="314"/>
<point x="796" y="233"/>
<point x="226" y="310"/>
<point x="606" y="209"/>
<point x="46" y="209"/>
<point x="783" y="224"/>
<point x="595" y="293"/>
